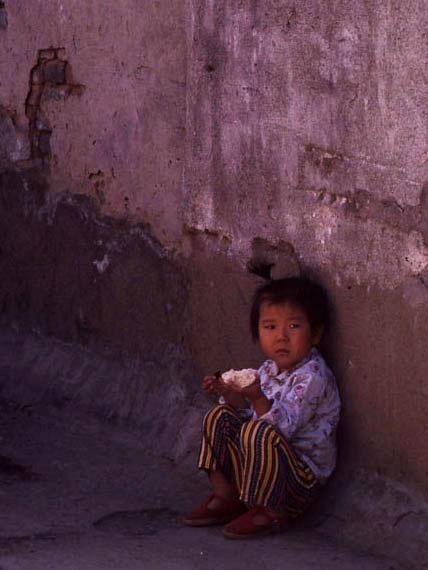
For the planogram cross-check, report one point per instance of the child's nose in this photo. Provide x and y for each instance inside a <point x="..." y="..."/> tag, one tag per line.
<point x="283" y="332"/>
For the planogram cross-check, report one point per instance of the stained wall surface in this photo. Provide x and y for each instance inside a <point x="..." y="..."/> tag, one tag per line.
<point x="308" y="126"/>
<point x="292" y="134"/>
<point x="120" y="137"/>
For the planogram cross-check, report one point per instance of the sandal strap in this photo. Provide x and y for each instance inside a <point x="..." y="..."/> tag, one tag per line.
<point x="277" y="521"/>
<point x="225" y="506"/>
<point x="244" y="526"/>
<point x="260" y="509"/>
<point x="224" y="511"/>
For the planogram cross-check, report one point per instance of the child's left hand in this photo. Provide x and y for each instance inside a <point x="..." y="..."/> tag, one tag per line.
<point x="252" y="392"/>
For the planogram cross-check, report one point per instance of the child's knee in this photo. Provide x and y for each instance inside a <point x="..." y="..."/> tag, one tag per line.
<point x="256" y="430"/>
<point x="216" y="413"/>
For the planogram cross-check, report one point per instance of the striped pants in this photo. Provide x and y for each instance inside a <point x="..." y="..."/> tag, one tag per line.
<point x="258" y="461"/>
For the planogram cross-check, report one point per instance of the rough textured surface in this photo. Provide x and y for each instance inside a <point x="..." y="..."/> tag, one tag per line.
<point x="301" y="130"/>
<point x="122" y="140"/>
<point x="106" y="287"/>
<point x="309" y="126"/>
<point x="68" y="273"/>
<point x="3" y="16"/>
<point x="397" y="522"/>
<point x="221" y="136"/>
<point x="96" y="499"/>
<point x="153" y="398"/>
<point x="50" y="80"/>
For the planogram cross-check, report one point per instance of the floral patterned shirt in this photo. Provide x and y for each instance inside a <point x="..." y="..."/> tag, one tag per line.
<point x="305" y="409"/>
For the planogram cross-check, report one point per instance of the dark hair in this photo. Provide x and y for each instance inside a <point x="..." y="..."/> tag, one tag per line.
<point x="309" y="296"/>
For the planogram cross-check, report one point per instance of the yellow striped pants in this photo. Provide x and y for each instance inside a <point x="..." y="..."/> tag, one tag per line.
<point x="257" y="460"/>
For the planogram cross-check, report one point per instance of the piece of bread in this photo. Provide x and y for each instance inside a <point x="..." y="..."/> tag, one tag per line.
<point x="240" y="378"/>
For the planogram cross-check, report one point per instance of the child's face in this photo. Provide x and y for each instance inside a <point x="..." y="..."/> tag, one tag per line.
<point x="285" y="334"/>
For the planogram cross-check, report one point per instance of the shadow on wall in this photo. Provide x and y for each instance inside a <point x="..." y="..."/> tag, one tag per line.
<point x="104" y="320"/>
<point x="113" y="303"/>
<point x="97" y="282"/>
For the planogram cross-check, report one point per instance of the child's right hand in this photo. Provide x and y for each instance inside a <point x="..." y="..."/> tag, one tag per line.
<point x="214" y="385"/>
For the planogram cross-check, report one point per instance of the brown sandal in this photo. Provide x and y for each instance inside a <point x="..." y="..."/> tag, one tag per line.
<point x="245" y="527"/>
<point x="203" y="516"/>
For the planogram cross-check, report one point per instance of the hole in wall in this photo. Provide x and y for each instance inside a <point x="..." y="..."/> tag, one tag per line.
<point x="272" y="260"/>
<point x="50" y="79"/>
<point x="262" y="270"/>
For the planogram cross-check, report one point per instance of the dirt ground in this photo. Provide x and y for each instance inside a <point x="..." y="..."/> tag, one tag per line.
<point x="77" y="494"/>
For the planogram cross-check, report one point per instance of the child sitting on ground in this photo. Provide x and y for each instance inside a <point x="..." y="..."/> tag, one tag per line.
<point x="270" y="446"/>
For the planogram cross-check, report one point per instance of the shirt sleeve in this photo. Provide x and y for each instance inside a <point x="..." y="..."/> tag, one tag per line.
<point x="294" y="409"/>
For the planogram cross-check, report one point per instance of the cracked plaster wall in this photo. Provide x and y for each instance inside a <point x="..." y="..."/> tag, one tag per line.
<point x="309" y="125"/>
<point x="226" y="125"/>
<point x="121" y="139"/>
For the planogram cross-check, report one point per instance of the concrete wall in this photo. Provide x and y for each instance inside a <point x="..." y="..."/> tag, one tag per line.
<point x="309" y="125"/>
<point x="119" y="137"/>
<point x="277" y="132"/>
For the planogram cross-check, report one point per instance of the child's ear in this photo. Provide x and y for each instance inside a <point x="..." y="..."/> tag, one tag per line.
<point x="317" y="335"/>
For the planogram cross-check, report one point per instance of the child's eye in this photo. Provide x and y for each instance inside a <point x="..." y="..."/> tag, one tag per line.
<point x="294" y="325"/>
<point x="269" y="327"/>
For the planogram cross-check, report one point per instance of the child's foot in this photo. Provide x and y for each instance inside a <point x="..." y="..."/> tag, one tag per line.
<point x="258" y="521"/>
<point x="215" y="510"/>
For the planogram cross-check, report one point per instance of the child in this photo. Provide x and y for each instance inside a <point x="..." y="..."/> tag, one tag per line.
<point x="269" y="447"/>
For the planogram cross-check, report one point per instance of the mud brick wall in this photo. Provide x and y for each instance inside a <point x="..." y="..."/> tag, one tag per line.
<point x="291" y="135"/>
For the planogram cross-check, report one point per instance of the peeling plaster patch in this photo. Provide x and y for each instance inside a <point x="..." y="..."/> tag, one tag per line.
<point x="29" y="205"/>
<point x="326" y="225"/>
<point x="202" y="216"/>
<point x="338" y="280"/>
<point x="370" y="253"/>
<point x="328" y="170"/>
<point x="273" y="259"/>
<point x="103" y="264"/>
<point x="415" y="293"/>
<point x="417" y="254"/>
<point x="378" y="255"/>
<point x="361" y="205"/>
<point x="3" y="16"/>
<point x="14" y="144"/>
<point x="48" y="210"/>
<point x="217" y="241"/>
<point x="98" y="181"/>
<point x="7" y="136"/>
<point x="50" y="79"/>
<point x="423" y="277"/>
<point x="424" y="212"/>
<point x="150" y="241"/>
